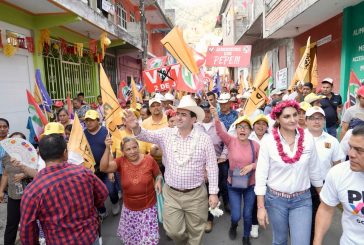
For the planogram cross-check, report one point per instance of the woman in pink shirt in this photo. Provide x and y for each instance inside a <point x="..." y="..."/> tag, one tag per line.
<point x="242" y="159"/>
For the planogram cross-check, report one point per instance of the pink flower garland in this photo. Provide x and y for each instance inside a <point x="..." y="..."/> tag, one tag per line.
<point x="280" y="107"/>
<point x="284" y="156"/>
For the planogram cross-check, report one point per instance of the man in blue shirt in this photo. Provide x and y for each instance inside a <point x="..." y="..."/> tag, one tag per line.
<point x="96" y="136"/>
<point x="226" y="114"/>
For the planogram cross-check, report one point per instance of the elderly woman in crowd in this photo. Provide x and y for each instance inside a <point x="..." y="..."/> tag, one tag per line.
<point x="286" y="168"/>
<point x="15" y="177"/>
<point x="242" y="158"/>
<point x="64" y="118"/>
<point x="141" y="179"/>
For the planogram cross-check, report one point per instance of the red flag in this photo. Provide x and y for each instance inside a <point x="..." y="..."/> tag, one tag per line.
<point x="354" y="85"/>
<point x="36" y="115"/>
<point x="123" y="91"/>
<point x="188" y="82"/>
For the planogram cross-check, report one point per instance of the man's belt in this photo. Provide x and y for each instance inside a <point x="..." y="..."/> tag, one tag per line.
<point x="184" y="190"/>
<point x="286" y="195"/>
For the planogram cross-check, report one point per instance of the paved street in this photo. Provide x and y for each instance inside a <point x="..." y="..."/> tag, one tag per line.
<point x="219" y="235"/>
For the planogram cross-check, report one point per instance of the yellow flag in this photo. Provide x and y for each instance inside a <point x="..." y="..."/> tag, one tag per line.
<point x="78" y="143"/>
<point x="303" y="67"/>
<point x="135" y="94"/>
<point x="314" y="73"/>
<point x="177" y="47"/>
<point x="241" y="85"/>
<point x="112" y="110"/>
<point x="37" y="95"/>
<point x="250" y="81"/>
<point x="260" y="84"/>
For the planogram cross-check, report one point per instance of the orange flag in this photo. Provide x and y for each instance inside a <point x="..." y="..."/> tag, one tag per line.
<point x="135" y="94"/>
<point x="314" y="73"/>
<point x="241" y="85"/>
<point x="78" y="143"/>
<point x="260" y="84"/>
<point x="177" y="47"/>
<point x="303" y="67"/>
<point x="112" y="110"/>
<point x="37" y="95"/>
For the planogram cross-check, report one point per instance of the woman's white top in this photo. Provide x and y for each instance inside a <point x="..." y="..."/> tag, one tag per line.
<point x="288" y="178"/>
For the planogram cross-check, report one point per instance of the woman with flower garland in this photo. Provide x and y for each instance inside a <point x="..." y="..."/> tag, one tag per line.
<point x="242" y="156"/>
<point x="284" y="173"/>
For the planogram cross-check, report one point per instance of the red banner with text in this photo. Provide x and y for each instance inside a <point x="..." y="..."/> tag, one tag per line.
<point x="161" y="79"/>
<point x="228" y="56"/>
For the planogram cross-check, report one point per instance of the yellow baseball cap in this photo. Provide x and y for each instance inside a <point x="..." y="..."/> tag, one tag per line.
<point x="138" y="106"/>
<point x="53" y="128"/>
<point x="136" y="112"/>
<point x="305" y="106"/>
<point x="92" y="114"/>
<point x="243" y="119"/>
<point x="261" y="117"/>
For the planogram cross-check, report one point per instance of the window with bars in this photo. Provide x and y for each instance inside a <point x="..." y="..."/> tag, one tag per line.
<point x="121" y="15"/>
<point x="132" y="17"/>
<point x="67" y="74"/>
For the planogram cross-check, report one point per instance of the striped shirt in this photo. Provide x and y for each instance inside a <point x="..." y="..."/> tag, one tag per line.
<point x="64" y="198"/>
<point x="185" y="159"/>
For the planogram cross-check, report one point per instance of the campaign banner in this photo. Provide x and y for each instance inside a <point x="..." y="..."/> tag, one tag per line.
<point x="228" y="56"/>
<point x="161" y="79"/>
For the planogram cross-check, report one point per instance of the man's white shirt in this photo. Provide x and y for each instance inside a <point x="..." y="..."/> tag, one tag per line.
<point x="328" y="151"/>
<point x="345" y="186"/>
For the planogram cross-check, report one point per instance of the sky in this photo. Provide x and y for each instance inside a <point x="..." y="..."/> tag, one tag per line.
<point x="197" y="18"/>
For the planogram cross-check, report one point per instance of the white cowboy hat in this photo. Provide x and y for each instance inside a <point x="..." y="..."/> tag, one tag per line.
<point x="169" y="96"/>
<point x="224" y="98"/>
<point x="188" y="103"/>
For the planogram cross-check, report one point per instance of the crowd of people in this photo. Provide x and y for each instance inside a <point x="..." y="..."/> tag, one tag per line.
<point x="283" y="163"/>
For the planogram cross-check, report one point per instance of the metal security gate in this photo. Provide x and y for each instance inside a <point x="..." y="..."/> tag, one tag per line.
<point x="69" y="74"/>
<point x="109" y="64"/>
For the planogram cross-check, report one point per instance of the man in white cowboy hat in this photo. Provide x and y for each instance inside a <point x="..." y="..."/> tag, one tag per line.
<point x="226" y="114"/>
<point x="187" y="153"/>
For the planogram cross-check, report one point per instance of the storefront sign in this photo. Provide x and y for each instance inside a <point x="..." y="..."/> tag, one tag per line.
<point x="161" y="79"/>
<point x="228" y="56"/>
<point x="108" y="7"/>
<point x="281" y="79"/>
<point x="357" y="49"/>
<point x="324" y="40"/>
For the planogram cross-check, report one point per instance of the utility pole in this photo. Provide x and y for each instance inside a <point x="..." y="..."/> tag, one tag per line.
<point x="143" y="34"/>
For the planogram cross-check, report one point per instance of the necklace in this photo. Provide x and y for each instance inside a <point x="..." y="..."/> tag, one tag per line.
<point x="182" y="157"/>
<point x="285" y="158"/>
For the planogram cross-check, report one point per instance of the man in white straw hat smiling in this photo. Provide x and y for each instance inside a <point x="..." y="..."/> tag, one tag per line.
<point x="187" y="153"/>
